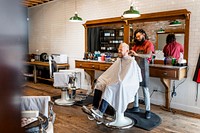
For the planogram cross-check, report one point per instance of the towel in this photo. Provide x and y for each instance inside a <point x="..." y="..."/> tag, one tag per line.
<point x="40" y="103"/>
<point x="61" y="78"/>
<point x="120" y="83"/>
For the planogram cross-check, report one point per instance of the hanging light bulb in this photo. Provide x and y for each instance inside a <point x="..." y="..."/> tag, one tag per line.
<point x="131" y="13"/>
<point x="76" y="18"/>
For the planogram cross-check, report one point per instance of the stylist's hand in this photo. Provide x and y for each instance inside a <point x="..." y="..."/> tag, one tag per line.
<point x="132" y="52"/>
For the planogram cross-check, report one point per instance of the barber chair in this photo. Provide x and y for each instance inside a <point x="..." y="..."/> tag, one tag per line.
<point x="67" y="80"/>
<point x="40" y="110"/>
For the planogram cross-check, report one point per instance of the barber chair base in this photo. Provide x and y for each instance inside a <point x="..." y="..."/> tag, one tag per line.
<point x="50" y="128"/>
<point x="121" y="122"/>
<point x="65" y="100"/>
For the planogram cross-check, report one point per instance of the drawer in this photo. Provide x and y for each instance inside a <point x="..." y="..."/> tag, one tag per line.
<point x="104" y="67"/>
<point x="87" y="65"/>
<point x="164" y="73"/>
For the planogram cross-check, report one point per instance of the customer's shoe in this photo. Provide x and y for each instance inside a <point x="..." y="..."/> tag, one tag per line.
<point x="147" y="114"/>
<point x="135" y="109"/>
<point x="97" y="113"/>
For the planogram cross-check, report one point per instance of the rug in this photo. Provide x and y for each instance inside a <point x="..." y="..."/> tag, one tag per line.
<point x="141" y="122"/>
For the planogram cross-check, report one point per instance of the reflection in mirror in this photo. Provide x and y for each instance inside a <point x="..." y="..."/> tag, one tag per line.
<point x="157" y="32"/>
<point x="162" y="40"/>
<point x="105" y="39"/>
<point x="153" y="28"/>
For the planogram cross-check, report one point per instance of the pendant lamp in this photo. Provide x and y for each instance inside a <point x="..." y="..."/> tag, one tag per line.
<point x="76" y="18"/>
<point x="175" y="23"/>
<point x="131" y="13"/>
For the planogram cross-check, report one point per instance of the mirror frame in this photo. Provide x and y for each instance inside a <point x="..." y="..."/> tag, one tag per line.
<point x="183" y="14"/>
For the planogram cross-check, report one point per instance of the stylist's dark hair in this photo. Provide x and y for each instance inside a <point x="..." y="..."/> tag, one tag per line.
<point x="170" y="38"/>
<point x="141" y="31"/>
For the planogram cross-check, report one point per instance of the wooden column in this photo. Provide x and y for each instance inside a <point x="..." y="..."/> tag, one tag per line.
<point x="92" y="76"/>
<point x="167" y="83"/>
<point x="126" y="33"/>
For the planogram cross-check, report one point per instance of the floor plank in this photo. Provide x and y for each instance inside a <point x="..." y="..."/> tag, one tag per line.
<point x="71" y="119"/>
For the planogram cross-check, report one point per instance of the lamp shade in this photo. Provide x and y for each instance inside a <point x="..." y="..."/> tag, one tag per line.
<point x="131" y="13"/>
<point x="76" y="18"/>
<point x="175" y="23"/>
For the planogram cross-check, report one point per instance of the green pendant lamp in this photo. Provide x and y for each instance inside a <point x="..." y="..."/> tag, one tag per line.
<point x="131" y="13"/>
<point x="76" y="18"/>
<point x="175" y="23"/>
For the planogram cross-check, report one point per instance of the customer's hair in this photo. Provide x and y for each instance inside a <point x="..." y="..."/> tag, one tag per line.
<point x="170" y="38"/>
<point x="125" y="45"/>
<point x="141" y="31"/>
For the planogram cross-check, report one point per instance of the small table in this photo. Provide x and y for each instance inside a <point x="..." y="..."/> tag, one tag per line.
<point x="35" y="64"/>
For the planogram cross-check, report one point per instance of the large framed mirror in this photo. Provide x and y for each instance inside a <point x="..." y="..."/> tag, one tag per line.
<point x="151" y="23"/>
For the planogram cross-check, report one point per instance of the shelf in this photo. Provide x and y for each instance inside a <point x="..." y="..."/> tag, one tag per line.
<point x="51" y="80"/>
<point x="110" y="40"/>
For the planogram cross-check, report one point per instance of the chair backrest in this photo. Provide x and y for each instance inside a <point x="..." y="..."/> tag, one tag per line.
<point x="40" y="103"/>
<point x="62" y="78"/>
<point x="52" y="66"/>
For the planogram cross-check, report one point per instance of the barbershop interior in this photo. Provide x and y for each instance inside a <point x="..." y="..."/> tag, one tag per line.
<point x="96" y="66"/>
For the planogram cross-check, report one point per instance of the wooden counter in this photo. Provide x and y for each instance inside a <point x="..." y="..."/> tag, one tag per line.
<point x="166" y="73"/>
<point x="35" y="64"/>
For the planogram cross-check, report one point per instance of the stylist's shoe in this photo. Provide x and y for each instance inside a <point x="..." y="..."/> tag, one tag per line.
<point x="97" y="113"/>
<point x="135" y="109"/>
<point x="147" y="114"/>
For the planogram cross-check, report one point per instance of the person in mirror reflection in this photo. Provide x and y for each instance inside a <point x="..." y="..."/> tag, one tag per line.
<point x="172" y="48"/>
<point x="142" y="49"/>
<point x="117" y="85"/>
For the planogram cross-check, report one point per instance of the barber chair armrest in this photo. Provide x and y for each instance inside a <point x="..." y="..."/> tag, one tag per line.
<point x="52" y="114"/>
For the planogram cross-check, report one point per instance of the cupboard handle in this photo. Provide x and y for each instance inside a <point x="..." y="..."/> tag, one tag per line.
<point x="80" y="65"/>
<point x="93" y="66"/>
<point x="165" y="73"/>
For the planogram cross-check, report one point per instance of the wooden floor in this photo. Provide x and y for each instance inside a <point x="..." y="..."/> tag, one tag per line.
<point x="71" y="119"/>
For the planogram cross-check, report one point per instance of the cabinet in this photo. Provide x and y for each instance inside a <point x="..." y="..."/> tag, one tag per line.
<point x="87" y="65"/>
<point x="110" y="39"/>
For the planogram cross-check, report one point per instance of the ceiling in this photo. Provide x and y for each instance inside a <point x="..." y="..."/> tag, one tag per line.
<point x="30" y="3"/>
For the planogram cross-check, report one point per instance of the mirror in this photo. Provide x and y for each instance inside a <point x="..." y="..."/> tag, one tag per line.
<point x="151" y="23"/>
<point x="105" y="39"/>
<point x="158" y="31"/>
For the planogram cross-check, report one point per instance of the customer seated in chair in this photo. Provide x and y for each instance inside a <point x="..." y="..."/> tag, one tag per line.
<point x="118" y="85"/>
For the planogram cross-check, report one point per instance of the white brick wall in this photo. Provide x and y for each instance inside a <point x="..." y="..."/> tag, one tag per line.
<point x="51" y="32"/>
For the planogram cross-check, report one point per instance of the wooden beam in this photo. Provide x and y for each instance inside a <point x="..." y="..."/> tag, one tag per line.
<point x="30" y="3"/>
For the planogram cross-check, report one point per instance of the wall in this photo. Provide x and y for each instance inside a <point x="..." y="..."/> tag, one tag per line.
<point x="51" y="32"/>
